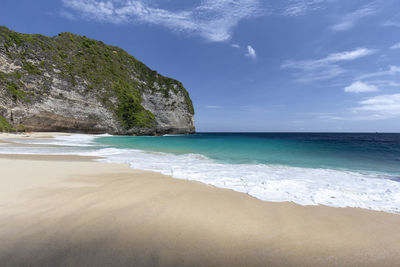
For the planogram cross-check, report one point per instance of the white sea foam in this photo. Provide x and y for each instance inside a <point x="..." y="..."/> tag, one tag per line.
<point x="305" y="186"/>
<point x="80" y="140"/>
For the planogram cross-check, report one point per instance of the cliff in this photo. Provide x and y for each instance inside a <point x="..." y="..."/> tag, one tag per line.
<point x="75" y="84"/>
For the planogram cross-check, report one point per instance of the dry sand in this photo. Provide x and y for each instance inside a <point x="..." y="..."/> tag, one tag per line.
<point x="74" y="212"/>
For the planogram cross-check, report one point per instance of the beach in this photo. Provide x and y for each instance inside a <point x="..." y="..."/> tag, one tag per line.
<point x="73" y="211"/>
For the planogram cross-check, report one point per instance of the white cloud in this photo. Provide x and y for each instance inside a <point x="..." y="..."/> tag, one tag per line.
<point x="98" y="10"/>
<point x="235" y="45"/>
<point x="348" y="55"/>
<point x="360" y="87"/>
<point x="350" y="20"/>
<point x="251" y="52"/>
<point x="380" y="107"/>
<point x="212" y="20"/>
<point x="301" y="7"/>
<point x="385" y="83"/>
<point x="393" y="70"/>
<point x="391" y="23"/>
<point x="395" y="46"/>
<point x="324" y="68"/>
<point x="332" y="58"/>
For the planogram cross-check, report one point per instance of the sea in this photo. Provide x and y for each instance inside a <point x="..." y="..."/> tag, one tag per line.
<point x="334" y="169"/>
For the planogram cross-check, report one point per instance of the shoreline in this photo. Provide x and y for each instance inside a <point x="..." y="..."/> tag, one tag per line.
<point x="4" y="140"/>
<point x="268" y="182"/>
<point x="9" y="139"/>
<point x="71" y="210"/>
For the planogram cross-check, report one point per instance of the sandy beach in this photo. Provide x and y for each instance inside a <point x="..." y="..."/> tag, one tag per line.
<point x="72" y="211"/>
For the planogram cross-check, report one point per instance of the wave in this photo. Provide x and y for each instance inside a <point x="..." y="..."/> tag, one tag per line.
<point x="304" y="186"/>
<point x="73" y="140"/>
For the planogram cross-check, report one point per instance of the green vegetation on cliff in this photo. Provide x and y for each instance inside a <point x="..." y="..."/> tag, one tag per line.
<point x="4" y="125"/>
<point x="115" y="77"/>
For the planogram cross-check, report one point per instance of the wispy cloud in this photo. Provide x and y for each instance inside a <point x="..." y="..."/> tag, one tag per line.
<point x="380" y="107"/>
<point x="350" y="20"/>
<point x="360" y="87"/>
<point x="332" y="58"/>
<point x="253" y="108"/>
<point x="324" y="68"/>
<point x="67" y="15"/>
<point x="395" y="46"/>
<point x="370" y="82"/>
<point x="301" y="7"/>
<point x="348" y="55"/>
<point x="384" y="83"/>
<point x="251" y="52"/>
<point x="212" y="20"/>
<point x="391" y="23"/>
<point x="392" y="70"/>
<point x="213" y="107"/>
<point x="235" y="45"/>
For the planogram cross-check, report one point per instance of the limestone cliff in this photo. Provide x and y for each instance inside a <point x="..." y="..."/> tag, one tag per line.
<point x="76" y="84"/>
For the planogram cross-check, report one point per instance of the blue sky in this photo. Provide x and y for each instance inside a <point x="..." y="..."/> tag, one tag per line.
<point x="251" y="65"/>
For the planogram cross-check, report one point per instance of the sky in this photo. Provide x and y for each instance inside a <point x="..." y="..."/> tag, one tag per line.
<point x="251" y="65"/>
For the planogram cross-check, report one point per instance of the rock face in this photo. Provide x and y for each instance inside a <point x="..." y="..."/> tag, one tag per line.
<point x="75" y="84"/>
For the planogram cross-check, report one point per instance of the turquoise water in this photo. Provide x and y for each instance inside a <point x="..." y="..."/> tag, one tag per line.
<point x="378" y="153"/>
<point x="333" y="169"/>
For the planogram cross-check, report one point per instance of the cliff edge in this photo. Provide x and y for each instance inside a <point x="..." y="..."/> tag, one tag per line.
<point x="72" y="83"/>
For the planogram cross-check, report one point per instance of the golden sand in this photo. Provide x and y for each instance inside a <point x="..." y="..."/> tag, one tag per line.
<point x="75" y="212"/>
